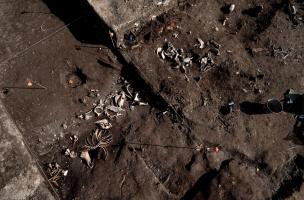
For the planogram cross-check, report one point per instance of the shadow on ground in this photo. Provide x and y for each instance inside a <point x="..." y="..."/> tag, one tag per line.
<point x="88" y="29"/>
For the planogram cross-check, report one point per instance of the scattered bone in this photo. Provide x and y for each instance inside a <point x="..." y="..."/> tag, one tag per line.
<point x="176" y="56"/>
<point x="87" y="158"/>
<point x="80" y="116"/>
<point x="143" y="104"/>
<point x="160" y="52"/>
<point x="129" y="94"/>
<point x="225" y="21"/>
<point x="115" y="109"/>
<point x="112" y="105"/>
<point x="187" y="61"/>
<point x="87" y="116"/>
<point x="120" y="99"/>
<point x="74" y="139"/>
<point x="163" y="55"/>
<point x="245" y="90"/>
<point x="170" y="51"/>
<point x="201" y="43"/>
<point x="183" y="69"/>
<point x="71" y="154"/>
<point x="108" y="98"/>
<point x="67" y="152"/>
<point x="293" y="10"/>
<point x="104" y="124"/>
<point x="206" y="62"/>
<point x="215" y="51"/>
<point x="98" y="110"/>
<point x="93" y="93"/>
<point x="231" y="8"/>
<point x="203" y="61"/>
<point x="55" y="173"/>
<point x="111" y="114"/>
<point x="137" y="101"/>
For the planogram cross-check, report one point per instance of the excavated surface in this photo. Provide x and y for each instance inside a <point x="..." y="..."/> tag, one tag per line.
<point x="154" y="151"/>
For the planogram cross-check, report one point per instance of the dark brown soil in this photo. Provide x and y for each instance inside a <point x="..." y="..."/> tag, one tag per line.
<point x="154" y="155"/>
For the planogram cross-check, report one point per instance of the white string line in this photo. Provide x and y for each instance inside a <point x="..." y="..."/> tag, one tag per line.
<point x="38" y="42"/>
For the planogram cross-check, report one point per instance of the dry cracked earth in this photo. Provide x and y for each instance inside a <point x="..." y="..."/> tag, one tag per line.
<point x="57" y="63"/>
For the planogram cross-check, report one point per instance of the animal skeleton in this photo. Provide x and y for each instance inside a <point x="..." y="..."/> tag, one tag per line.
<point x="99" y="139"/>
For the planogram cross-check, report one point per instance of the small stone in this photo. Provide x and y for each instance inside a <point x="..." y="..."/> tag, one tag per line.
<point x="64" y="126"/>
<point x="175" y="35"/>
<point x="132" y="107"/>
<point x="206" y="100"/>
<point x="245" y="90"/>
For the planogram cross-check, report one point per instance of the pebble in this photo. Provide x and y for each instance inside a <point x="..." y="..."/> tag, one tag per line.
<point x="64" y="126"/>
